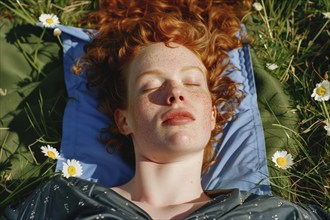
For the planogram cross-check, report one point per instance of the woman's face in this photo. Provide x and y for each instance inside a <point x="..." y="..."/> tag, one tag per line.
<point x="169" y="112"/>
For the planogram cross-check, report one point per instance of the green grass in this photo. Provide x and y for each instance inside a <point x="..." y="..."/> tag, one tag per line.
<point x="294" y="35"/>
<point x="70" y="12"/>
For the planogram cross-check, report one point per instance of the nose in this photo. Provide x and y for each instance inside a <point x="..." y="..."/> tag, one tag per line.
<point x="174" y="94"/>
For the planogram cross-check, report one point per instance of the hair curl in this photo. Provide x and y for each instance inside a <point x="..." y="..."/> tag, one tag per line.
<point x="208" y="28"/>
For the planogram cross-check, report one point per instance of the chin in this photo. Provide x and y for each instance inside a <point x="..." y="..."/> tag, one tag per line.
<point x="181" y="141"/>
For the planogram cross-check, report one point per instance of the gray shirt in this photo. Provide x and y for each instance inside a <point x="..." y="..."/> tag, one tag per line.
<point x="75" y="198"/>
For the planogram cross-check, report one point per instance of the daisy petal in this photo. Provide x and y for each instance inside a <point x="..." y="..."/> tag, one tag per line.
<point x="282" y="159"/>
<point x="326" y="15"/>
<point x="322" y="91"/>
<point x="72" y="168"/>
<point x="50" y="152"/>
<point x="49" y="20"/>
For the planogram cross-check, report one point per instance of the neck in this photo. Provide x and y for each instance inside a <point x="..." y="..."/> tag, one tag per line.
<point x="168" y="183"/>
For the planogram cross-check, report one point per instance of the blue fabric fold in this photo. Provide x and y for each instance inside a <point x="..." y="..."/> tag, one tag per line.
<point x="82" y="122"/>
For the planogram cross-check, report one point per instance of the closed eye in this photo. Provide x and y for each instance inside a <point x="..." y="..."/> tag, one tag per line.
<point x="192" y="84"/>
<point x="150" y="89"/>
<point x="151" y="85"/>
<point x="192" y="79"/>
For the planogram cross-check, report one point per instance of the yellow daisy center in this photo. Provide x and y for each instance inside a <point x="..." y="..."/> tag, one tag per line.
<point x="321" y="91"/>
<point x="72" y="170"/>
<point x="49" y="20"/>
<point x="281" y="161"/>
<point x="51" y="154"/>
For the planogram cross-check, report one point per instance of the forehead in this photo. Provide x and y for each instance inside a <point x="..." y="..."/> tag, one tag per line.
<point x="161" y="57"/>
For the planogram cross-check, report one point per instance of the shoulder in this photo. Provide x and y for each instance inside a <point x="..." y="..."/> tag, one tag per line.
<point x="59" y="197"/>
<point x="235" y="204"/>
<point x="274" y="207"/>
<point x="71" y="183"/>
<point x="59" y="186"/>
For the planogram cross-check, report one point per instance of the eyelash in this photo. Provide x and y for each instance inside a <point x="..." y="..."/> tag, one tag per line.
<point x="150" y="88"/>
<point x="194" y="84"/>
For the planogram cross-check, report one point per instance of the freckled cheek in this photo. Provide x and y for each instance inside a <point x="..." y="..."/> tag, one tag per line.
<point x="144" y="112"/>
<point x="206" y="108"/>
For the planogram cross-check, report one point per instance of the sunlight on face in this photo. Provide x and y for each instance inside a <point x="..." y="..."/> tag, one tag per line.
<point x="169" y="105"/>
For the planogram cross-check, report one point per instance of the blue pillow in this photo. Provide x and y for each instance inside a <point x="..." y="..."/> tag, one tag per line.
<point x="241" y="157"/>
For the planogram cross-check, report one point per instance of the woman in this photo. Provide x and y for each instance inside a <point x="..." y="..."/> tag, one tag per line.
<point x="159" y="65"/>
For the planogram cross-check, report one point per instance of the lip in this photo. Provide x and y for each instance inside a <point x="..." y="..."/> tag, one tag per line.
<point x="177" y="117"/>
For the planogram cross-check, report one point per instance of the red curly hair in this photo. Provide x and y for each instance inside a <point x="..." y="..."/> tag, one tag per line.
<point x="208" y="28"/>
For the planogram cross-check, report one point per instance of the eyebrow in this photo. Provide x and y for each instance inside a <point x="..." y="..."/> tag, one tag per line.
<point x="186" y="68"/>
<point x="158" y="72"/>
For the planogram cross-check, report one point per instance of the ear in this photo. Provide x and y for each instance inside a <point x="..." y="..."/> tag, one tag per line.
<point x="214" y="117"/>
<point x="121" y="121"/>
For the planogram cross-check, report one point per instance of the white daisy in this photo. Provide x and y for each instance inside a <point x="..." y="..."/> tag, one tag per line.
<point x="322" y="91"/>
<point x="50" y="152"/>
<point x="57" y="32"/>
<point x="271" y="66"/>
<point x="72" y="168"/>
<point x="282" y="159"/>
<point x="49" y="20"/>
<point x="327" y="126"/>
<point x="326" y="15"/>
<point x="257" y="6"/>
